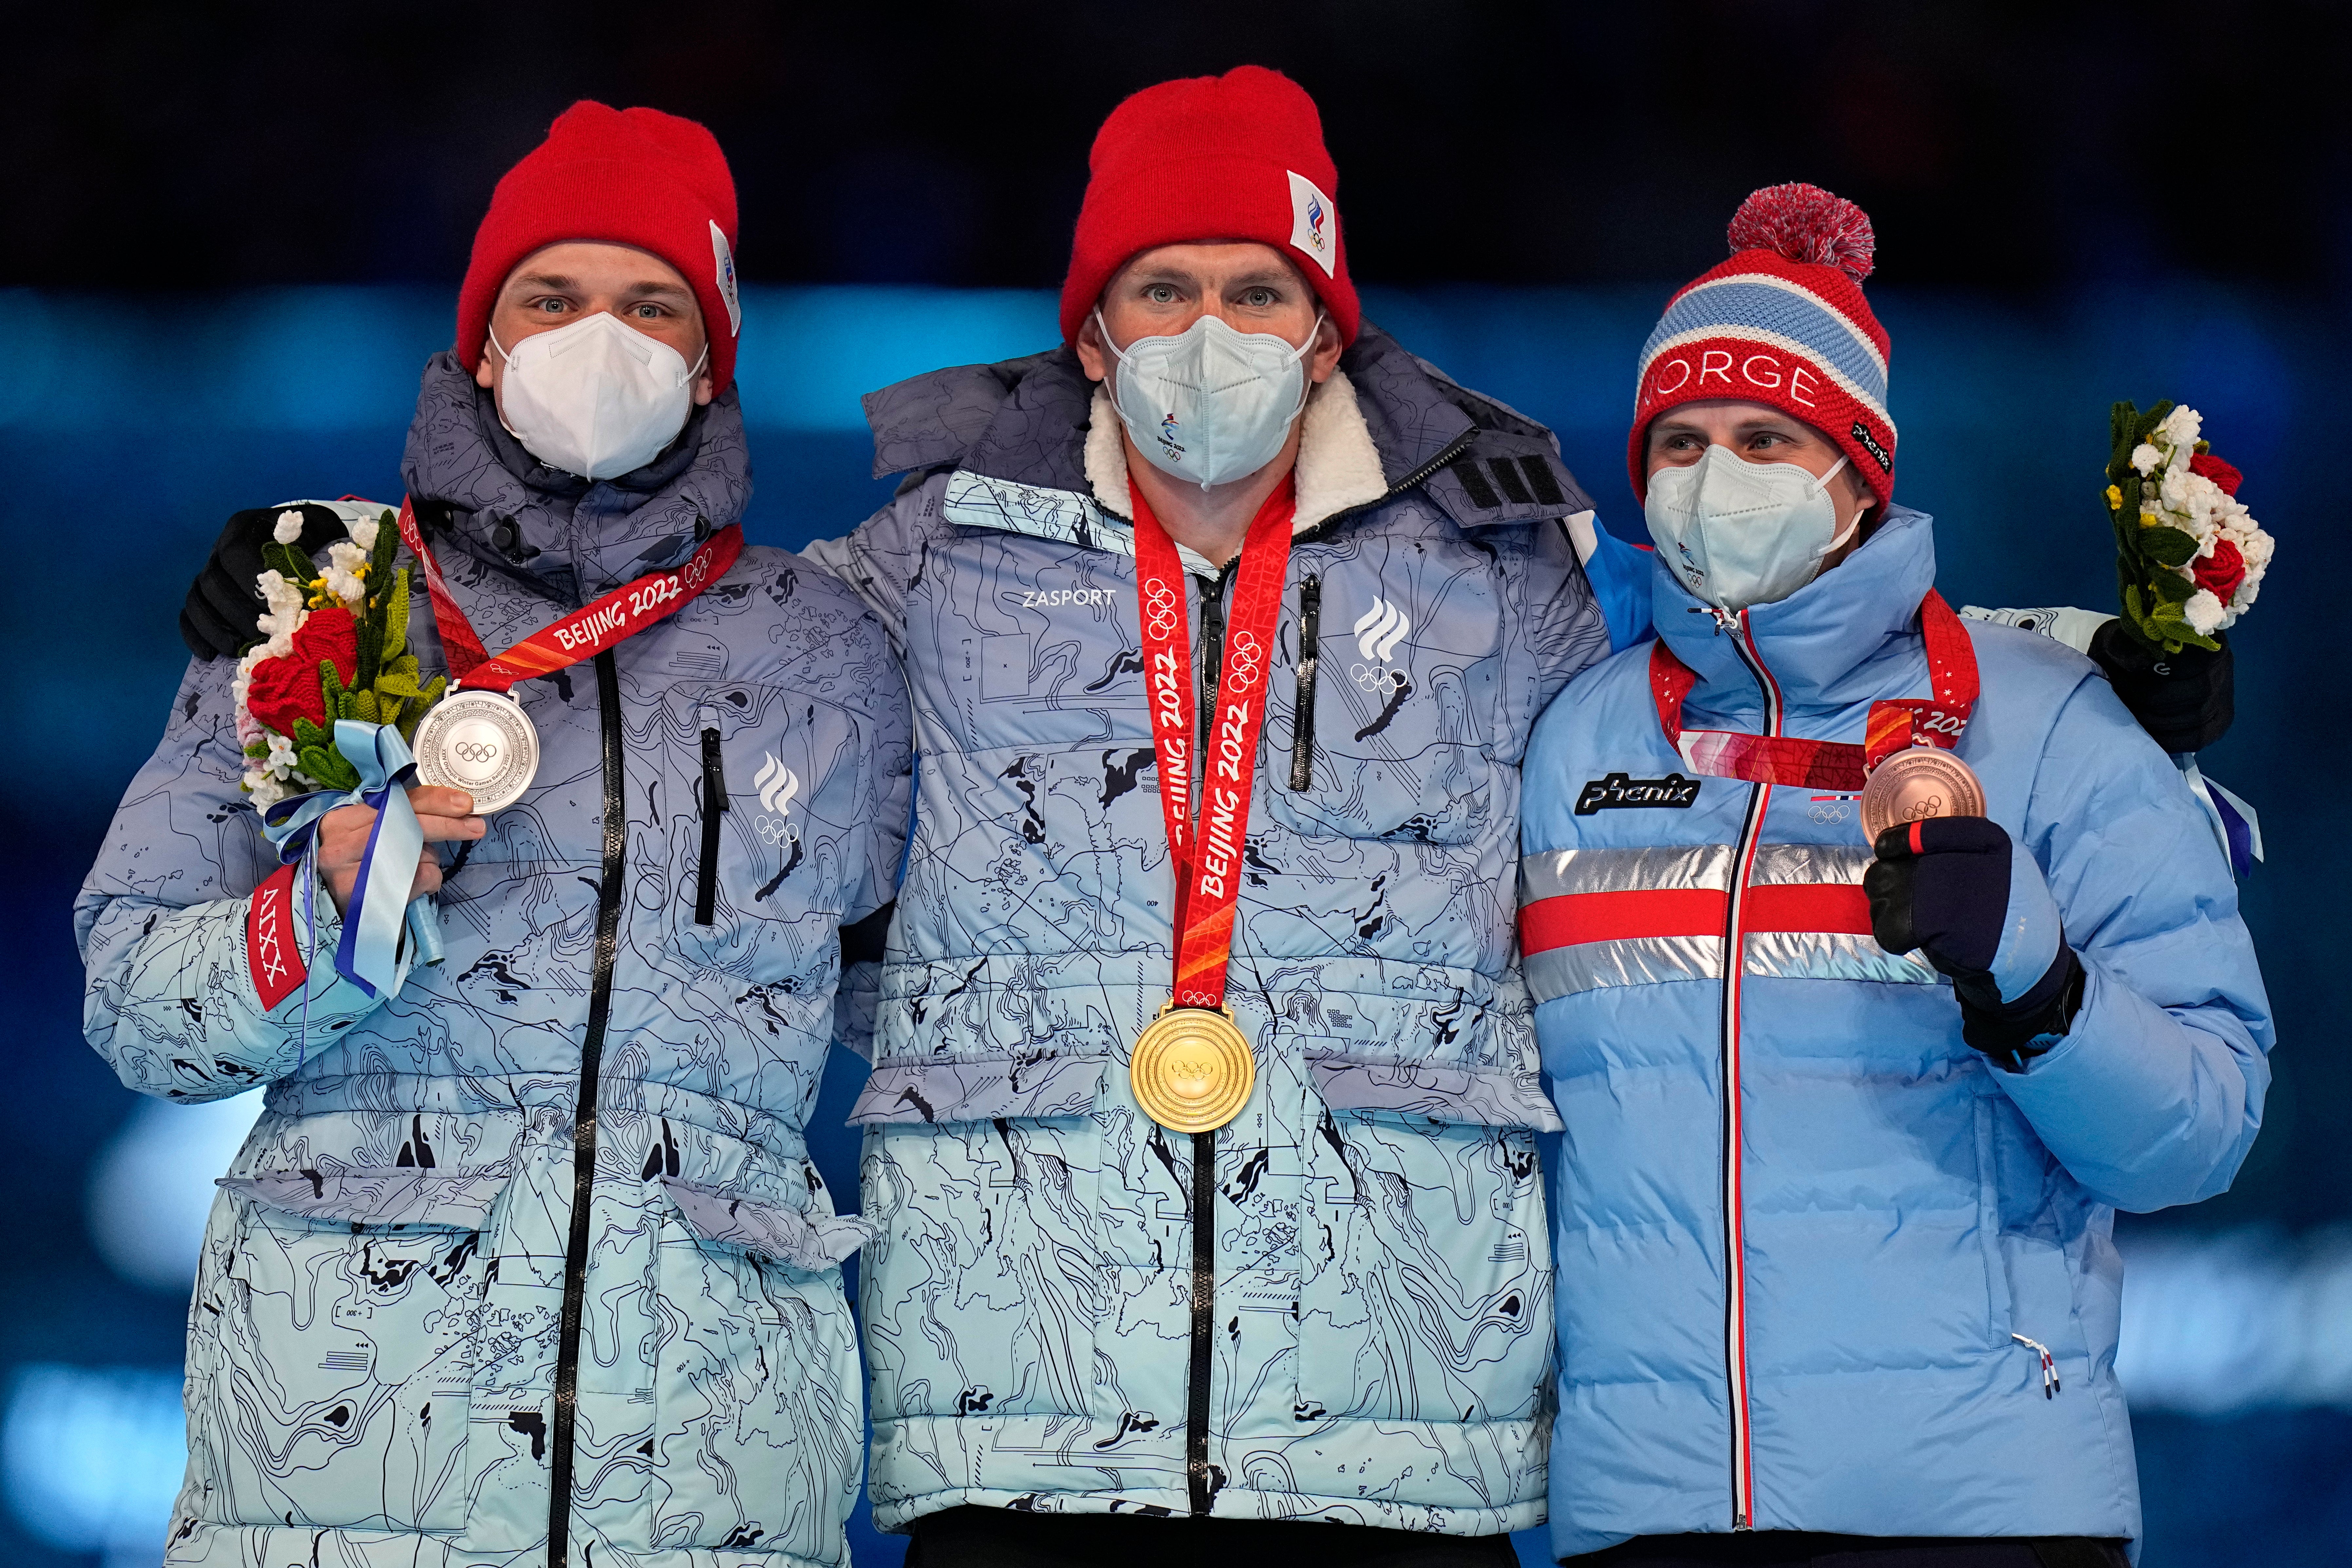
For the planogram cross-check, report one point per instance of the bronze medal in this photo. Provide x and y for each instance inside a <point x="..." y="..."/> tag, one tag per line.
<point x="1914" y="785"/>
<point x="1191" y="1068"/>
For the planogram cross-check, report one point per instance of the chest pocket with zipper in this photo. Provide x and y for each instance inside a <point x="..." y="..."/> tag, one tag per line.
<point x="767" y="787"/>
<point x="1391" y="709"/>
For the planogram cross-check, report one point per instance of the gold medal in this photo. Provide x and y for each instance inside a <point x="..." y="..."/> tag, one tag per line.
<point x="1191" y="1068"/>
<point x="1917" y="783"/>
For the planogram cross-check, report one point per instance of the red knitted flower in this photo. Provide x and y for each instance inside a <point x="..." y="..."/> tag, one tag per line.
<point x="284" y="690"/>
<point x="2220" y="572"/>
<point x="2223" y="476"/>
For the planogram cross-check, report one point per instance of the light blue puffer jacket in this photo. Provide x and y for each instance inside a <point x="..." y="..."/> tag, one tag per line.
<point x="1362" y="1332"/>
<point x="1905" y="1222"/>
<point x="393" y="1288"/>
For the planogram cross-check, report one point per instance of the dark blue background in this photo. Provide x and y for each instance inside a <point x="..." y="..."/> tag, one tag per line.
<point x="2121" y="198"/>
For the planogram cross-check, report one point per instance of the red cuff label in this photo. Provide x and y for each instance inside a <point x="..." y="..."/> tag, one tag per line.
<point x="271" y="953"/>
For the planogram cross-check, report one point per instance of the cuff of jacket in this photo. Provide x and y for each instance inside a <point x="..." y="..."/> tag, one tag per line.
<point x="327" y="994"/>
<point x="2123" y="1104"/>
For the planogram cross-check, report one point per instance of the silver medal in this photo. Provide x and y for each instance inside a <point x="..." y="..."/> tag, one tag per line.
<point x="481" y="742"/>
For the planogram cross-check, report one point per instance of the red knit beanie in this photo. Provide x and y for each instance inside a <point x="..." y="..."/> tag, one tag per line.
<point x="1237" y="156"/>
<point x="626" y="176"/>
<point x="1782" y="323"/>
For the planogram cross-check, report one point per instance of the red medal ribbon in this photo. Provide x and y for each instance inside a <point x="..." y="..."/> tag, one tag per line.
<point x="1207" y="868"/>
<point x="584" y="633"/>
<point x="1839" y="765"/>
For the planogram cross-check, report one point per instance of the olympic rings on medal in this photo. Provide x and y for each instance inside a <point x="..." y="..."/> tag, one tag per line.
<point x="475" y="750"/>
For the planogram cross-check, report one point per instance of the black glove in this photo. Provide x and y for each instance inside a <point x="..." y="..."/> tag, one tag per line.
<point x="1957" y="890"/>
<point x="217" y="621"/>
<point x="2184" y="700"/>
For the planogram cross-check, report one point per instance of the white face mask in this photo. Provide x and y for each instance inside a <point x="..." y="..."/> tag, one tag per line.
<point x="1740" y="533"/>
<point x="1210" y="403"/>
<point x="596" y="398"/>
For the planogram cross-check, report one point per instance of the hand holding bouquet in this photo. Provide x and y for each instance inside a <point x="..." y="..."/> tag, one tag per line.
<point x="2190" y="559"/>
<point x="334" y="646"/>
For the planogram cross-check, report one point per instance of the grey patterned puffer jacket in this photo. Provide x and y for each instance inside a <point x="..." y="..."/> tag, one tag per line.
<point x="404" y="1337"/>
<point x="1337" y="1305"/>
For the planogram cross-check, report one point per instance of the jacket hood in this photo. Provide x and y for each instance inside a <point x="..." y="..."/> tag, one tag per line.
<point x="1830" y="645"/>
<point x="1026" y="421"/>
<point x="565" y="537"/>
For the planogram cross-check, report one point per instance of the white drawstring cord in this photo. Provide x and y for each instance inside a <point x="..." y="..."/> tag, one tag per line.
<point x="2048" y="1363"/>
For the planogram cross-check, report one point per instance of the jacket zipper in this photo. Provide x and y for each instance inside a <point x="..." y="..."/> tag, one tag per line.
<point x="1302" y="704"/>
<point x="1451" y="450"/>
<point x="583" y="1121"/>
<point x="1735" y="1219"/>
<point x="714" y="801"/>
<point x="1201" y="1480"/>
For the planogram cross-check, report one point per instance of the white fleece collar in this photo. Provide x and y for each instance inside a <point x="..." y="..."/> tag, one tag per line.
<point x="1337" y="467"/>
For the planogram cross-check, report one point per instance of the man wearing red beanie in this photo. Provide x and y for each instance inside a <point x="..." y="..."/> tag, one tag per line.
<point x="525" y="1262"/>
<point x="1201" y="1132"/>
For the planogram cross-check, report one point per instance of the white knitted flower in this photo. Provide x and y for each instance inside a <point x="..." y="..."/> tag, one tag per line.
<point x="2146" y="459"/>
<point x="2181" y="426"/>
<point x="266" y="791"/>
<point x="2206" y="614"/>
<point x="289" y="527"/>
<point x="343" y="561"/>
<point x="362" y="533"/>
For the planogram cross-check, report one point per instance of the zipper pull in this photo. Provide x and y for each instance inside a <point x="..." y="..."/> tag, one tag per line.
<point x="2050" y="1384"/>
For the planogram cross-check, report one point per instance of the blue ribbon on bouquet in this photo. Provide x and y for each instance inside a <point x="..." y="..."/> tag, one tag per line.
<point x="370" y="954"/>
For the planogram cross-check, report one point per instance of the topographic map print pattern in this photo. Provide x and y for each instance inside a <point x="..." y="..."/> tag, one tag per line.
<point x="373" y="1335"/>
<point x="1382" y="1270"/>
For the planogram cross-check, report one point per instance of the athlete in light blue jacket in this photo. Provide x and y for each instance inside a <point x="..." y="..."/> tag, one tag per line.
<point x="525" y="1262"/>
<point x="1841" y="1156"/>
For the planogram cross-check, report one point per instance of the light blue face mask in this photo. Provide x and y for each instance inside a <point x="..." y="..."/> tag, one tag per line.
<point x="1209" y="404"/>
<point x="1740" y="533"/>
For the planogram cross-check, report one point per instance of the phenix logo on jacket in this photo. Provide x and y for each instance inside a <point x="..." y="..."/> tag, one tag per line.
<point x="1029" y="1299"/>
<point x="1833" y="1315"/>
<point x="379" y="1335"/>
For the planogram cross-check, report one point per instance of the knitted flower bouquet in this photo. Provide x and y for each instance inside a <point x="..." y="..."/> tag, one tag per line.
<point x="2189" y="558"/>
<point x="333" y="648"/>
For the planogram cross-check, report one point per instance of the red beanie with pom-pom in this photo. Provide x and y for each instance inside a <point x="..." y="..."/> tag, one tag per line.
<point x="624" y="176"/>
<point x="1237" y="156"/>
<point x="1782" y="323"/>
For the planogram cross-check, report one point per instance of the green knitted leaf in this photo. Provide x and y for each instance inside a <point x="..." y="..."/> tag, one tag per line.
<point x="2171" y="588"/>
<point x="332" y="688"/>
<point x="363" y="707"/>
<point x="397" y="684"/>
<point x="327" y="766"/>
<point x="308" y="735"/>
<point x="2122" y="419"/>
<point x="387" y="545"/>
<point x="395" y="623"/>
<point x="2168" y="546"/>
<point x="287" y="561"/>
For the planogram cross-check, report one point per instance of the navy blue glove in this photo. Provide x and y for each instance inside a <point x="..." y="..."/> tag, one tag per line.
<point x="1957" y="890"/>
